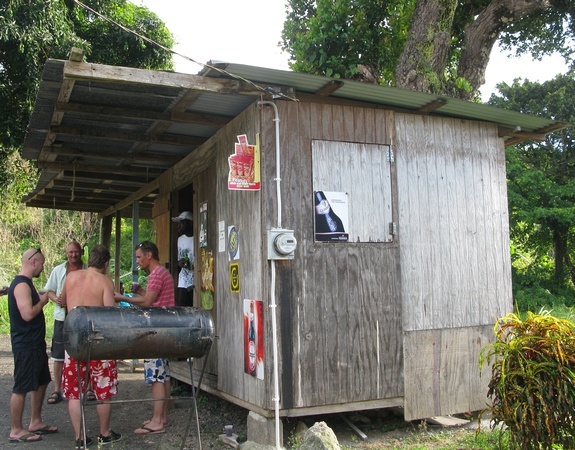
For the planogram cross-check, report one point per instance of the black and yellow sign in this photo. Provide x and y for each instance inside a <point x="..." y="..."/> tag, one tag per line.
<point x="235" y="277"/>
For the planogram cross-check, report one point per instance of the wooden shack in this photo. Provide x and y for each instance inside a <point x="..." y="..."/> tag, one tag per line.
<point x="393" y="312"/>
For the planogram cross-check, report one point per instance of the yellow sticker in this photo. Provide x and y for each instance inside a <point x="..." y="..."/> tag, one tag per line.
<point x="235" y="277"/>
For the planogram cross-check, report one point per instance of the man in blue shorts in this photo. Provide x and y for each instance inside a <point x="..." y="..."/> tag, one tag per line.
<point x="28" y="334"/>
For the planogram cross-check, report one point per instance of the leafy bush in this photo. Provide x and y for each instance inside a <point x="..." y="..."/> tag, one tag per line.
<point x="532" y="388"/>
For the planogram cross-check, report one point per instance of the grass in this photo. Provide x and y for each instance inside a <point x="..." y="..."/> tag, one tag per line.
<point x="5" y="321"/>
<point x="388" y="431"/>
<point x="459" y="439"/>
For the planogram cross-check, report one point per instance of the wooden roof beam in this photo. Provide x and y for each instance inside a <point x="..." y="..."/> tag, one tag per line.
<point x="98" y="133"/>
<point x="108" y="74"/>
<point x="128" y="159"/>
<point x="129" y="113"/>
<point x="108" y="170"/>
<point x="433" y="105"/>
<point x="136" y="196"/>
<point x="96" y="185"/>
<point x="84" y="193"/>
<point x="330" y="87"/>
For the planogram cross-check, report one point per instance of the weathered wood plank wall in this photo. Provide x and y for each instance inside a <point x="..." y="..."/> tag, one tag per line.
<point x="453" y="222"/>
<point x="351" y="315"/>
<point x="241" y="209"/>
<point x="455" y="263"/>
<point x="442" y="371"/>
<point x="340" y="328"/>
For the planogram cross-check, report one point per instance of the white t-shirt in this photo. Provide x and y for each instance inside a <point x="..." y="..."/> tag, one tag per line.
<point x="186" y="250"/>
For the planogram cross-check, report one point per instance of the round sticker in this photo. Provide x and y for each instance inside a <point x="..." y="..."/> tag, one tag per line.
<point x="233" y="244"/>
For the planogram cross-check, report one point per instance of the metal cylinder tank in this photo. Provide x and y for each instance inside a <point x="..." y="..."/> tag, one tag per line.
<point x="105" y="332"/>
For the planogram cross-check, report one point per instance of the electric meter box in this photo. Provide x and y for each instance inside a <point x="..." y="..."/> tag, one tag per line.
<point x="281" y="244"/>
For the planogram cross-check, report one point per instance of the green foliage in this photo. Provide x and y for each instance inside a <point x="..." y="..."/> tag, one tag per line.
<point x="112" y="45"/>
<point x="33" y="30"/>
<point x="532" y="389"/>
<point x="541" y="192"/>
<point x="332" y="37"/>
<point x="145" y="233"/>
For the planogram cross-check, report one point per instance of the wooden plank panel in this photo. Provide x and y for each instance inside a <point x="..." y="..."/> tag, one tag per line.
<point x="465" y="183"/>
<point x="346" y="320"/>
<point x="162" y="225"/>
<point x="448" y="239"/>
<point x="443" y="372"/>
<point x="502" y="301"/>
<point x="409" y="137"/>
<point x="422" y="359"/>
<point x="475" y="217"/>
<point x="454" y="222"/>
<point x="478" y="338"/>
<point x="241" y="209"/>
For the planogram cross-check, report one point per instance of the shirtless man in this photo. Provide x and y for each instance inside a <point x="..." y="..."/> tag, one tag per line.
<point x="91" y="287"/>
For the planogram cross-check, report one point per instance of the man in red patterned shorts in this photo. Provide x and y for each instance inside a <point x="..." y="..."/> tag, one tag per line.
<point x="90" y="287"/>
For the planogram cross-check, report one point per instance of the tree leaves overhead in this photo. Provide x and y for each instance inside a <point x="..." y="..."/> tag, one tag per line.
<point x="435" y="46"/>
<point x="333" y="37"/>
<point x="112" y="45"/>
<point x="32" y="31"/>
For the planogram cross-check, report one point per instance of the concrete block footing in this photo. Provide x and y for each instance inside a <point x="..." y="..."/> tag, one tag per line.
<point x="262" y="430"/>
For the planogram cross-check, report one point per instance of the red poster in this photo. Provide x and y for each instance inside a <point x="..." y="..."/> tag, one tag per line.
<point x="244" y="165"/>
<point x="254" y="338"/>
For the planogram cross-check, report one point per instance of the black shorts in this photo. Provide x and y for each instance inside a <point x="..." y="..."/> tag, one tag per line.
<point x="30" y="371"/>
<point x="57" y="349"/>
<point x="184" y="297"/>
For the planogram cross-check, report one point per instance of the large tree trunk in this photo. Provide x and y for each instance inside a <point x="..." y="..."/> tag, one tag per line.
<point x="480" y="37"/>
<point x="422" y="65"/>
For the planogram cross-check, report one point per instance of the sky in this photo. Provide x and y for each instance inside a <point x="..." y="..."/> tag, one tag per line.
<point x="248" y="32"/>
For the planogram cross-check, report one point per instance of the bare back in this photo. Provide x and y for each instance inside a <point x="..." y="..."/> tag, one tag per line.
<point x="88" y="287"/>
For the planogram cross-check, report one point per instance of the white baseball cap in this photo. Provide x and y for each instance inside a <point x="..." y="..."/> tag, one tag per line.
<point x="184" y="215"/>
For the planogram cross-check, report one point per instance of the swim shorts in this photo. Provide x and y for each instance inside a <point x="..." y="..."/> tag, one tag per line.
<point x="156" y="370"/>
<point x="102" y="374"/>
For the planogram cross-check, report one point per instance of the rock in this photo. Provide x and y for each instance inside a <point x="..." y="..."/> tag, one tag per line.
<point x="301" y="428"/>
<point x="319" y="437"/>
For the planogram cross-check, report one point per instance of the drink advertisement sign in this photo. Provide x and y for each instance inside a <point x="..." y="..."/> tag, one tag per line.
<point x="254" y="338"/>
<point x="244" y="174"/>
<point x="331" y="216"/>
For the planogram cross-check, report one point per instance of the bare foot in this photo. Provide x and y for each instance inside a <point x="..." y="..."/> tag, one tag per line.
<point x="25" y="437"/>
<point x="146" y="422"/>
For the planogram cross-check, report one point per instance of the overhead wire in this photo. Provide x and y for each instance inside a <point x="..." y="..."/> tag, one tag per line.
<point x="266" y="89"/>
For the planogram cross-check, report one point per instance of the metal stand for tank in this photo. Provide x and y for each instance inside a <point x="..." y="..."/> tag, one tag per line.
<point x="102" y="333"/>
<point x="193" y="398"/>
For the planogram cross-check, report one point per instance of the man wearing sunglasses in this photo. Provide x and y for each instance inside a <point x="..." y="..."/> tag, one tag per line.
<point x="28" y="337"/>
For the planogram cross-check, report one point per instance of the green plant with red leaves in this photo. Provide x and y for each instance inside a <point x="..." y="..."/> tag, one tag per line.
<point x="532" y="389"/>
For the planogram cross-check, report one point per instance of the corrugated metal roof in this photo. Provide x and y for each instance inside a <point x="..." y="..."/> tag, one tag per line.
<point x="389" y="96"/>
<point x="102" y="134"/>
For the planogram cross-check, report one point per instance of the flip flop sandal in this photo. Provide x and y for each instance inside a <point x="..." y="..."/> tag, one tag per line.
<point x="55" y="397"/>
<point x="26" y="438"/>
<point x="90" y="396"/>
<point x="45" y="430"/>
<point x="146" y="431"/>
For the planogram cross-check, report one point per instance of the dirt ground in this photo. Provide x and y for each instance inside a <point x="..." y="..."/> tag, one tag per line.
<point x="383" y="428"/>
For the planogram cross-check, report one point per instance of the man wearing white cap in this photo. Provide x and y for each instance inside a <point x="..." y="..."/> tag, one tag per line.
<point x="186" y="255"/>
